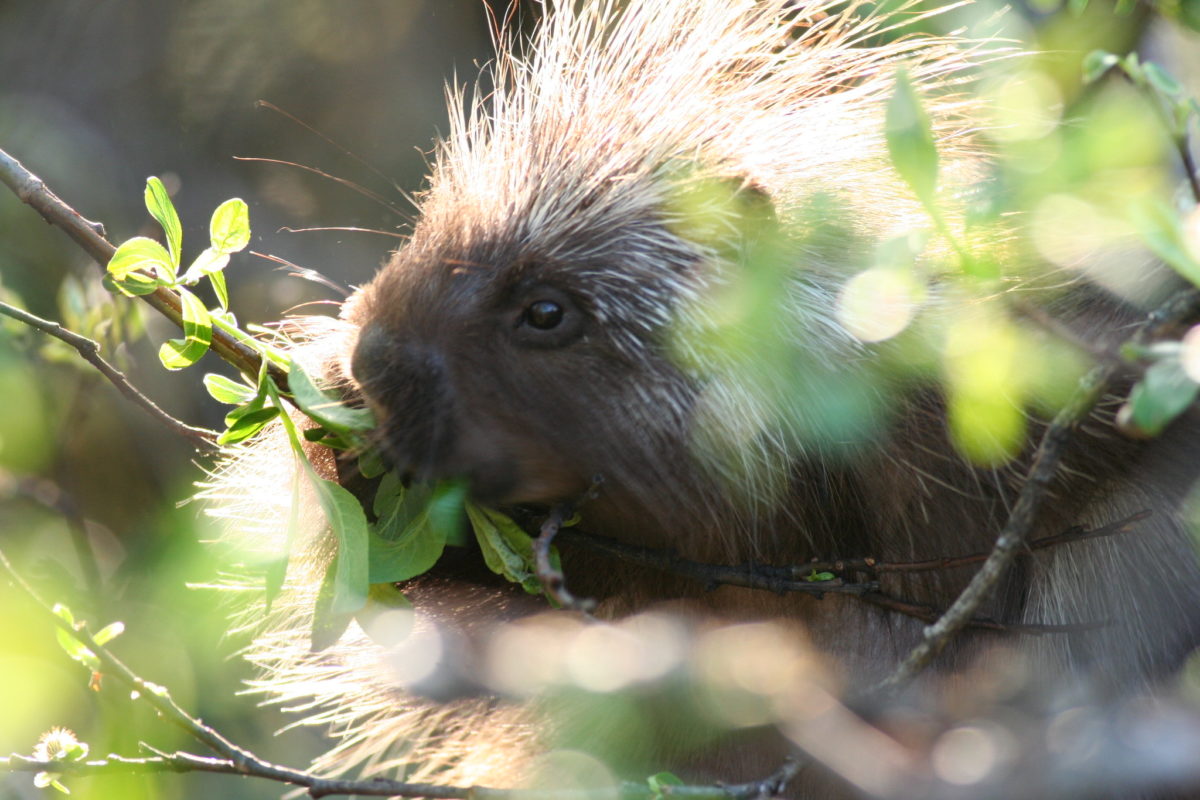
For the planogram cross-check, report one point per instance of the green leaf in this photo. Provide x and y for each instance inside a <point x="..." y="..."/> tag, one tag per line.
<point x="249" y="418"/>
<point x="344" y="589"/>
<point x="64" y="613"/>
<point x="1161" y="231"/>
<point x="507" y="550"/>
<point x="345" y="516"/>
<point x="328" y="625"/>
<point x="1096" y="64"/>
<point x="660" y="780"/>
<point x="370" y="463"/>
<point x="159" y="204"/>
<point x="72" y="646"/>
<point x="109" y="632"/>
<point x="1189" y="13"/>
<point x="229" y="228"/>
<point x="247" y="423"/>
<point x="1077" y="7"/>
<point x="227" y="390"/>
<point x="209" y="262"/>
<point x="324" y="407"/>
<point x="413" y="528"/>
<point x="139" y="266"/>
<point x="197" y="331"/>
<point x="910" y="140"/>
<point x="1162" y="80"/>
<point x="217" y="279"/>
<point x="1163" y="393"/>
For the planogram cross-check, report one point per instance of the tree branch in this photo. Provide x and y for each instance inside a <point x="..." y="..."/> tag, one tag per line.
<point x="235" y="760"/>
<point x="1042" y="471"/>
<point x="90" y="351"/>
<point x="874" y="566"/>
<point x="31" y="190"/>
<point x="748" y="576"/>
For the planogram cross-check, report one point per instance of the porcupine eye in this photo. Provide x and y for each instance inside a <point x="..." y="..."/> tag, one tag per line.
<point x="544" y="315"/>
<point x="547" y="317"/>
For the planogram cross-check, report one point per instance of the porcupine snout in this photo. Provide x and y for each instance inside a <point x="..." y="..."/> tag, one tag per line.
<point x="430" y="425"/>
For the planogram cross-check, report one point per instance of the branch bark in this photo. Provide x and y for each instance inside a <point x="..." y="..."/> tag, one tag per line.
<point x="90" y="236"/>
<point x="89" y="350"/>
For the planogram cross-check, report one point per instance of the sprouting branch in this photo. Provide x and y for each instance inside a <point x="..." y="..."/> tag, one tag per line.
<point x="382" y="787"/>
<point x="1042" y="471"/>
<point x="89" y="350"/>
<point x="32" y="190"/>
<point x="233" y="759"/>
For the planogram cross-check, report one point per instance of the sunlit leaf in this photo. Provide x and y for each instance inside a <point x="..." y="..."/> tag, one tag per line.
<point x="217" y="279"/>
<point x="1096" y="64"/>
<point x="139" y="266"/>
<point x="328" y="625"/>
<point x="197" y="330"/>
<point x="227" y="390"/>
<point x="345" y="516"/>
<point x="159" y="204"/>
<point x="324" y="407"/>
<point x="245" y="422"/>
<point x="210" y="262"/>
<point x="109" y="632"/>
<point x="910" y="139"/>
<point x="229" y="228"/>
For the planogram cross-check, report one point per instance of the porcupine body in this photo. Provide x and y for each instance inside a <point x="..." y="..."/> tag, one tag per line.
<point x="554" y="318"/>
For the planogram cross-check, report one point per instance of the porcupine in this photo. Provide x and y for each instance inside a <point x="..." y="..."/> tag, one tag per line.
<point x="588" y="219"/>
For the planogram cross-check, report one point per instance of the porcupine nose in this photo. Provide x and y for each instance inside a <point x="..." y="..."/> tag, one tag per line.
<point x="424" y="431"/>
<point x="406" y="385"/>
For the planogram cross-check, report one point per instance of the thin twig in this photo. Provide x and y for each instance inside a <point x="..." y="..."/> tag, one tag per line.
<point x="875" y="566"/>
<point x="89" y="350"/>
<point x="235" y="760"/>
<point x="931" y="614"/>
<point x="31" y="190"/>
<point x="1184" y="145"/>
<point x="791" y="579"/>
<point x="554" y="583"/>
<point x="749" y="576"/>
<point x="1042" y="471"/>
<point x="382" y="787"/>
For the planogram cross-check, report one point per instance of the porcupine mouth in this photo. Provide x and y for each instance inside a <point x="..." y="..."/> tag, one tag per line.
<point x="504" y="481"/>
<point x="510" y="483"/>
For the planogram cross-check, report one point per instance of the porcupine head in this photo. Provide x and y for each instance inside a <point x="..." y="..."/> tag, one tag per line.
<point x="623" y="278"/>
<point x="627" y="261"/>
